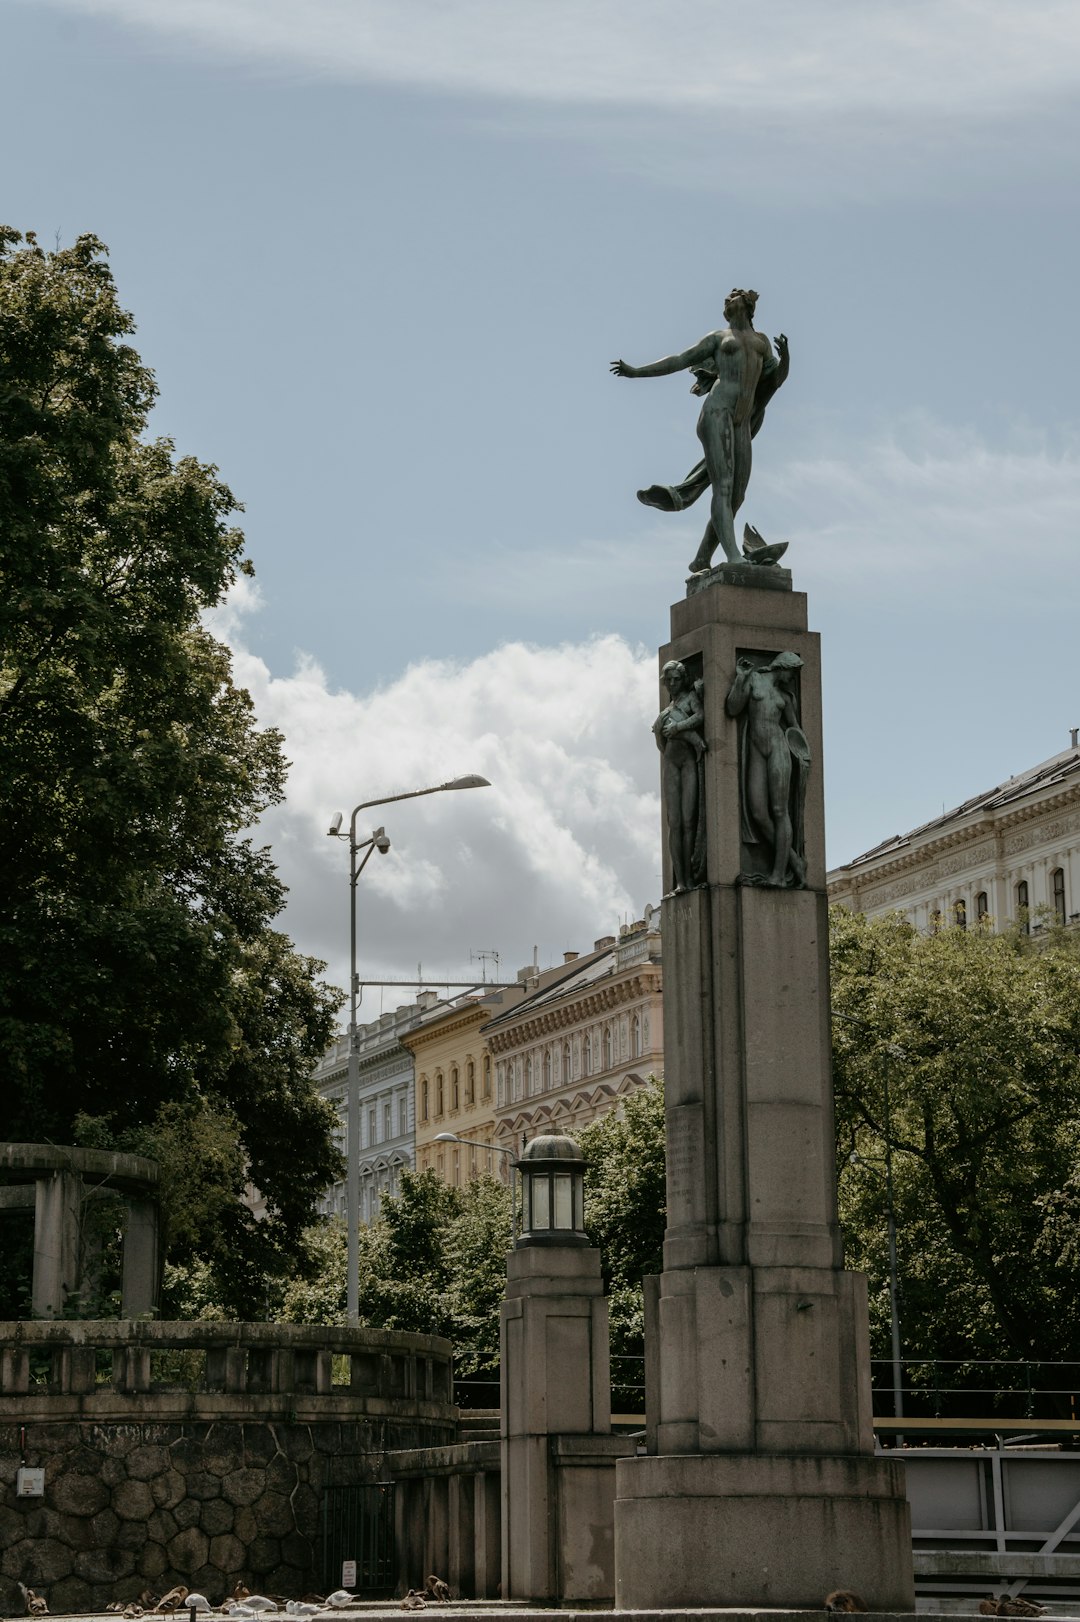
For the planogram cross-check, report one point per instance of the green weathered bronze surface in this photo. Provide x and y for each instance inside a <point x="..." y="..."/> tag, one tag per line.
<point x="678" y="730"/>
<point x="774" y="761"/>
<point x="737" y="373"/>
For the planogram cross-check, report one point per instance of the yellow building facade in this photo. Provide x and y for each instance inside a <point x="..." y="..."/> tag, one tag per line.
<point x="454" y="1086"/>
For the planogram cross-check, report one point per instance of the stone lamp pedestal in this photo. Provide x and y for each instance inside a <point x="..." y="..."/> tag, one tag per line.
<point x="761" y="1487"/>
<point x="557" y="1450"/>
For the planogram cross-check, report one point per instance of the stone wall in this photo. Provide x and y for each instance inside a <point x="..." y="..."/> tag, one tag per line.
<point x="168" y="1485"/>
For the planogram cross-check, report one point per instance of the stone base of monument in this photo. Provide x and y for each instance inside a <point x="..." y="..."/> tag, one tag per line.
<point x="746" y="1529"/>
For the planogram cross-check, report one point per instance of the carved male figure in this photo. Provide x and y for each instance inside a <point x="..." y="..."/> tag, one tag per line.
<point x="678" y="732"/>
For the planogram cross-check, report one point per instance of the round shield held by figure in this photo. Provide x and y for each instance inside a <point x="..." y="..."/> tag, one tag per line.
<point x="796" y="742"/>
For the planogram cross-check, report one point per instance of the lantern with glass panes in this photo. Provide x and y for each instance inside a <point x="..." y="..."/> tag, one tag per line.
<point x="552" y="1175"/>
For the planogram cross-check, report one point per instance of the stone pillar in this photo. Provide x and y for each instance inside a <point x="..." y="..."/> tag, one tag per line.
<point x="139" y="1279"/>
<point x="486" y="1524"/>
<point x="555" y="1380"/>
<point x="57" y="1213"/>
<point x="764" y="1489"/>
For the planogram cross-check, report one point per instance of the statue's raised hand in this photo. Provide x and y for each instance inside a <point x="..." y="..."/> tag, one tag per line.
<point x="622" y="368"/>
<point x="781" y="343"/>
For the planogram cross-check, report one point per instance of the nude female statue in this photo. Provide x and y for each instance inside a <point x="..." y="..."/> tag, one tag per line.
<point x="678" y="732"/>
<point x="737" y="373"/>
<point x="774" y="754"/>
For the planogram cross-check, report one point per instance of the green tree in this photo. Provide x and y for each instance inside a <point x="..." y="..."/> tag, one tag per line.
<point x="142" y="984"/>
<point x="977" y="1038"/>
<point x="625" y="1214"/>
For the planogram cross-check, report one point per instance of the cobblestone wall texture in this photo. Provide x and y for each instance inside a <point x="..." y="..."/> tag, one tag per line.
<point x="129" y="1506"/>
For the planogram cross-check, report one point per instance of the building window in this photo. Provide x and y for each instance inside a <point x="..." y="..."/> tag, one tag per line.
<point x="370" y="1127"/>
<point x="423" y="1098"/>
<point x="402" y="1117"/>
<point x="608" y="1059"/>
<point x="1022" y="906"/>
<point x="960" y="914"/>
<point x="487" y="1076"/>
<point x="567" y="1063"/>
<point x="635" y="1038"/>
<point x="547" y="1070"/>
<point x="440" y="1102"/>
<point x="1057" y="893"/>
<point x="470" y="1083"/>
<point x="982" y="906"/>
<point x="935" y="920"/>
<point x="500" y="1081"/>
<point x="455" y="1090"/>
<point x="387" y="1130"/>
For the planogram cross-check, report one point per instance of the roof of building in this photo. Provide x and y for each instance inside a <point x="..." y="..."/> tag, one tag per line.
<point x="1059" y="769"/>
<point x="599" y="964"/>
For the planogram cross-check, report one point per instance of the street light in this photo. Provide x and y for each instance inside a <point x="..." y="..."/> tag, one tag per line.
<point x="496" y="1148"/>
<point x="377" y="841"/>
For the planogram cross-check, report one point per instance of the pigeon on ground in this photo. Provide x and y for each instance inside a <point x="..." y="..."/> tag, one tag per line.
<point x="339" y="1598"/>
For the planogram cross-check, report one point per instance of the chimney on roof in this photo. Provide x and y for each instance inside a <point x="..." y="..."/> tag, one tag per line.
<point x="605" y="940"/>
<point x="1074" y="734"/>
<point x="570" y="957"/>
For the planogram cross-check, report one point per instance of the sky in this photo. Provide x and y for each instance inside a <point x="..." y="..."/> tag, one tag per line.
<point x="380" y="255"/>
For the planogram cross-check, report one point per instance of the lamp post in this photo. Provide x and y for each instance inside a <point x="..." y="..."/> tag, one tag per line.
<point x="496" y="1148"/>
<point x="377" y="841"/>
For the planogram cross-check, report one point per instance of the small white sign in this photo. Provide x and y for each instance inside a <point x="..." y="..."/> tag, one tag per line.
<point x="30" y="1483"/>
<point x="348" y="1571"/>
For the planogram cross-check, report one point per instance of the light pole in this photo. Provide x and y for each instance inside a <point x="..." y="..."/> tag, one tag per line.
<point x="496" y="1148"/>
<point x="378" y="841"/>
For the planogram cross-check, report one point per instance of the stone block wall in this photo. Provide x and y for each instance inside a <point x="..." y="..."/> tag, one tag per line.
<point x="204" y="1488"/>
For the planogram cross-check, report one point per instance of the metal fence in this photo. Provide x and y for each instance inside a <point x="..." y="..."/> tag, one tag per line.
<point x="358" y="1532"/>
<point x="978" y="1388"/>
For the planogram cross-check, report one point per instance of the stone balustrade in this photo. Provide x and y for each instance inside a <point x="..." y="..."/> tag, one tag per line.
<point x="197" y="1452"/>
<point x="105" y="1369"/>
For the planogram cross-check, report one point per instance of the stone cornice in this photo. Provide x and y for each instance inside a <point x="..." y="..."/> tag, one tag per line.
<point x="962" y="839"/>
<point x="553" y="1019"/>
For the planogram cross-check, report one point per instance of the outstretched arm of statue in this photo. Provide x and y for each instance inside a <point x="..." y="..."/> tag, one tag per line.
<point x="670" y="363"/>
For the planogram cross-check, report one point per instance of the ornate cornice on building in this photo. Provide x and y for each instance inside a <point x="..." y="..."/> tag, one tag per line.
<point x="609" y="996"/>
<point x="969" y="845"/>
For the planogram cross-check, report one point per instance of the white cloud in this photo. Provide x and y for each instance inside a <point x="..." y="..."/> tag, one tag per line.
<point x="776" y="58"/>
<point x="561" y="847"/>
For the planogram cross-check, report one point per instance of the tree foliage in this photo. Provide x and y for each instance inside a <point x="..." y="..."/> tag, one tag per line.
<point x="142" y="984"/>
<point x="976" y="1037"/>
<point x="433" y="1261"/>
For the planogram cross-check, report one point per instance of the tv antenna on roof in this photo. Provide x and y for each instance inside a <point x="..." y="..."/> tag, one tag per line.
<point x="485" y="958"/>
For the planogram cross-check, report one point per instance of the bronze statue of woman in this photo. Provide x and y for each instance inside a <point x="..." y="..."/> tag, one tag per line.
<point x="738" y="374"/>
<point x="679" y="732"/>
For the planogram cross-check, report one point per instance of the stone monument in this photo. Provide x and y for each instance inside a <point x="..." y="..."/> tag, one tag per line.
<point x="760" y="1486"/>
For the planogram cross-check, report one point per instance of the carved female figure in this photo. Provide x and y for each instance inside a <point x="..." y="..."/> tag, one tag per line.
<point x="737" y="373"/>
<point x="678" y="732"/>
<point x="774" y="760"/>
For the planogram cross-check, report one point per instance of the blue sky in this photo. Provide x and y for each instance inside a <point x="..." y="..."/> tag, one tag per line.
<point x="380" y="253"/>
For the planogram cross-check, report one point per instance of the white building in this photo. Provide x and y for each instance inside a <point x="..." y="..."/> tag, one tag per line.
<point x="1008" y="854"/>
<point x="387" y="1124"/>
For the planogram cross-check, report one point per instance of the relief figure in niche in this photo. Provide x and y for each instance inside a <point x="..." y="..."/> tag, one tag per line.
<point x="678" y="730"/>
<point x="774" y="762"/>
